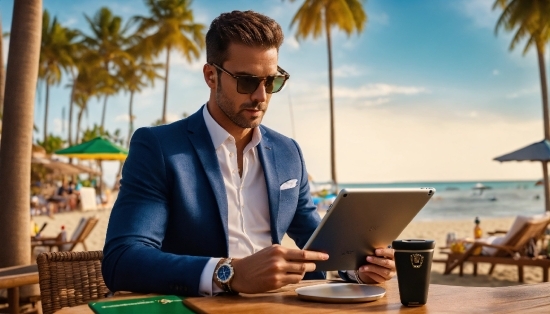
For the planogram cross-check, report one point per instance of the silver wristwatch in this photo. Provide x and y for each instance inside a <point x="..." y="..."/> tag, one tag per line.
<point x="224" y="274"/>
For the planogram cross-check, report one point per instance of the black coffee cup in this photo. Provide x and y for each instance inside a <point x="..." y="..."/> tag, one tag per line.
<point x="413" y="262"/>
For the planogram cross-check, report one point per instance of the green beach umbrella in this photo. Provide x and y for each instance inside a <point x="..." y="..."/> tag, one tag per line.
<point x="98" y="148"/>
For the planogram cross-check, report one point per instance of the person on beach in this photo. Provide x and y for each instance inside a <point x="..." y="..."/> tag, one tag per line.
<point x="204" y="202"/>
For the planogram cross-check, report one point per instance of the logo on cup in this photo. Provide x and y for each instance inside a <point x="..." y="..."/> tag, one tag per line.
<point x="416" y="260"/>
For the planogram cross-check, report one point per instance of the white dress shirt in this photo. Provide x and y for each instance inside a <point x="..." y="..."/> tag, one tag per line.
<point x="248" y="210"/>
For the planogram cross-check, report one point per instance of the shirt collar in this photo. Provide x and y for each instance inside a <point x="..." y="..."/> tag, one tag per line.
<point x="219" y="134"/>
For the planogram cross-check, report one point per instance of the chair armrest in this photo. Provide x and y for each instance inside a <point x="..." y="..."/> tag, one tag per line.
<point x="508" y="249"/>
<point x="43" y="238"/>
<point x="497" y="232"/>
<point x="51" y="243"/>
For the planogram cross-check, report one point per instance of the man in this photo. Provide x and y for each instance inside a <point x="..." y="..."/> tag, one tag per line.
<point x="204" y="202"/>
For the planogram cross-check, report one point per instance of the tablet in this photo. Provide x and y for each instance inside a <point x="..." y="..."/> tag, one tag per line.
<point x="361" y="220"/>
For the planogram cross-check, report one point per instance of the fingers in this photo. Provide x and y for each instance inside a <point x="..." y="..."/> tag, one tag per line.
<point x="387" y="253"/>
<point x="381" y="267"/>
<point x="304" y="255"/>
<point x="384" y="262"/>
<point x="372" y="277"/>
<point x="296" y="261"/>
<point x="299" y="268"/>
<point x="377" y="273"/>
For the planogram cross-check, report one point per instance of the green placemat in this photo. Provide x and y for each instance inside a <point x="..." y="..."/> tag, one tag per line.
<point x="151" y="305"/>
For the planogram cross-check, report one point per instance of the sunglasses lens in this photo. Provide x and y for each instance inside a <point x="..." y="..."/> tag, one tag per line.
<point x="247" y="84"/>
<point x="278" y="83"/>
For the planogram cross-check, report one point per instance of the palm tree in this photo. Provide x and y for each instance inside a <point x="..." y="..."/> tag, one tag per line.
<point x="87" y="84"/>
<point x="15" y="155"/>
<point x="108" y="40"/>
<point x="136" y="75"/>
<point x="79" y="50"/>
<point x="530" y="20"/>
<point x="51" y="144"/>
<point x="55" y="56"/>
<point x="317" y="16"/>
<point x="171" y="26"/>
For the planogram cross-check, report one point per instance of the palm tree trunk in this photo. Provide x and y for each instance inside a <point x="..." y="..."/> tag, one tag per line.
<point x="15" y="156"/>
<point x="331" y="97"/>
<point x="544" y="91"/>
<point x="166" y="84"/>
<point x="46" y="111"/>
<point x="78" y="121"/>
<point x="103" y="114"/>
<point x="71" y="108"/>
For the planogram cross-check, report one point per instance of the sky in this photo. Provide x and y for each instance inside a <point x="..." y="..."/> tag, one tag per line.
<point x="427" y="92"/>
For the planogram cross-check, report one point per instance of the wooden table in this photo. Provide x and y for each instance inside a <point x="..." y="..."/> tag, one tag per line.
<point x="533" y="298"/>
<point x="12" y="278"/>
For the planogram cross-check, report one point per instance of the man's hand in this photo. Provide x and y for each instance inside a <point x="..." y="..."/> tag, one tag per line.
<point x="379" y="268"/>
<point x="273" y="267"/>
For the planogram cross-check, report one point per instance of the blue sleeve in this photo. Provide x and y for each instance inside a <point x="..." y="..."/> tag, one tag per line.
<point x="133" y="259"/>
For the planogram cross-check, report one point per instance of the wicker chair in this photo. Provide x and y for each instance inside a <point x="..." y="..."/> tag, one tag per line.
<point x="69" y="279"/>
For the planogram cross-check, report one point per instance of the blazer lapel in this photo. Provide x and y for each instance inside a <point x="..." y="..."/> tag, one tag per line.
<point x="269" y="164"/>
<point x="198" y="133"/>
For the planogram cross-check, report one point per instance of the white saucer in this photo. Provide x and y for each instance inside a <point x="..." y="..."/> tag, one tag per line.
<point x="341" y="293"/>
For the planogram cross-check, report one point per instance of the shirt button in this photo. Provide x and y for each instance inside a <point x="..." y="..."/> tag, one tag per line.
<point x="230" y="154"/>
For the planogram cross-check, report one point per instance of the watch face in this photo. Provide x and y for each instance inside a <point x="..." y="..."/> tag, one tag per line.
<point x="224" y="273"/>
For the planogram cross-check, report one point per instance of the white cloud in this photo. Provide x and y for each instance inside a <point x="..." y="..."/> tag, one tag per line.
<point x="496" y="72"/>
<point x="177" y="59"/>
<point x="123" y="117"/>
<point x="524" y="92"/>
<point x="171" y="117"/>
<point x="292" y="43"/>
<point x="480" y="11"/>
<point x="377" y="90"/>
<point x="59" y="126"/>
<point x="69" y="22"/>
<point x="347" y="70"/>
<point x="375" y="102"/>
<point x="381" y="18"/>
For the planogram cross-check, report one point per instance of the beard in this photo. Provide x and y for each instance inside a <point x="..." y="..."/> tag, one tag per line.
<point x="238" y="117"/>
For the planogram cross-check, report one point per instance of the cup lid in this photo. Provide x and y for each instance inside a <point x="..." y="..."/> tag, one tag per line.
<point x="413" y="244"/>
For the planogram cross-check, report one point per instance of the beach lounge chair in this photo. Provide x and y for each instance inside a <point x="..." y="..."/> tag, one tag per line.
<point x="69" y="279"/>
<point x="509" y="249"/>
<point x="82" y="231"/>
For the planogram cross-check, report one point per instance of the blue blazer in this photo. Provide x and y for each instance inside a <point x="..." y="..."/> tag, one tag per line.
<point x="171" y="213"/>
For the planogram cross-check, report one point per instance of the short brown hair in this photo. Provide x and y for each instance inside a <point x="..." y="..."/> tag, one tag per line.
<point x="248" y="28"/>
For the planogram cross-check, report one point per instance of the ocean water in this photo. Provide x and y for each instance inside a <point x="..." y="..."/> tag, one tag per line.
<point x="459" y="200"/>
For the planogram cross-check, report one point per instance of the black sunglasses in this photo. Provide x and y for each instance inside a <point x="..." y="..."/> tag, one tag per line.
<point x="247" y="84"/>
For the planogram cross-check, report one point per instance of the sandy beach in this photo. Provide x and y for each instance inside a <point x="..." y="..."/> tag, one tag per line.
<point x="436" y="230"/>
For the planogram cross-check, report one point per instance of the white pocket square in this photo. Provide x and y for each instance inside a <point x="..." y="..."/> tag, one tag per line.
<point x="289" y="184"/>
